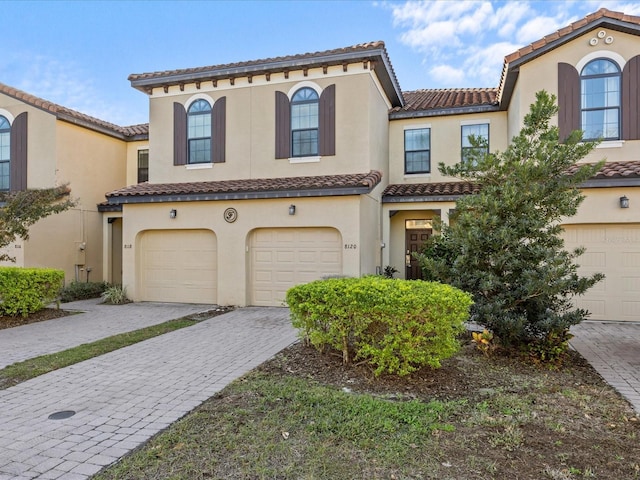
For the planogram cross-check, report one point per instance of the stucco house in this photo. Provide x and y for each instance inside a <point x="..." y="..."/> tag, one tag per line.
<point x="43" y="145"/>
<point x="264" y="174"/>
<point x="254" y="176"/>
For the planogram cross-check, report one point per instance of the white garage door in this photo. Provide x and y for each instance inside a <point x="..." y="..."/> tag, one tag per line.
<point x="178" y="266"/>
<point x="284" y="257"/>
<point x="615" y="251"/>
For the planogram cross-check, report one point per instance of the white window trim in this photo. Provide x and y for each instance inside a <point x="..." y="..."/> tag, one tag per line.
<point x="7" y="115"/>
<point x="198" y="166"/>
<point x="611" y="144"/>
<point x="195" y="98"/>
<point x="314" y="159"/>
<point x="480" y="121"/>
<point x="306" y="83"/>
<point x="613" y="56"/>
<point x="416" y="175"/>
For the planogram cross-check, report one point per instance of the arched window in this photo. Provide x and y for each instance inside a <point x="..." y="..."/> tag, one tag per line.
<point x="600" y="100"/>
<point x="199" y="132"/>
<point x="5" y="153"/>
<point x="304" y="123"/>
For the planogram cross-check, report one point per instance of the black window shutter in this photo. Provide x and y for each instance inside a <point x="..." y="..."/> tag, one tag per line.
<point x="219" y="129"/>
<point x="18" y="154"/>
<point x="283" y="126"/>
<point x="327" y="113"/>
<point x="179" y="134"/>
<point x="631" y="99"/>
<point x="568" y="100"/>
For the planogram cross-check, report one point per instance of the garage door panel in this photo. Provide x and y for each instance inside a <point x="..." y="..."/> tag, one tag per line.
<point x="615" y="251"/>
<point x="296" y="255"/>
<point x="178" y="266"/>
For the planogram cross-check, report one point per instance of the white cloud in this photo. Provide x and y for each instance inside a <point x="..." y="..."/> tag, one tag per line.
<point x="447" y="74"/>
<point x="463" y="43"/>
<point x="65" y="83"/>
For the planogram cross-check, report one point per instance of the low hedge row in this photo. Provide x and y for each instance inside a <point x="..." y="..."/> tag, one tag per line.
<point x="396" y="325"/>
<point x="27" y="290"/>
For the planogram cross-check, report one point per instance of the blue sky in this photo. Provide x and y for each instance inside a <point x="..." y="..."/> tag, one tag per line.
<point x="80" y="53"/>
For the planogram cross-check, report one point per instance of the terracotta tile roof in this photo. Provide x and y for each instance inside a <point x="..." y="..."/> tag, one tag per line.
<point x="566" y="31"/>
<point x="619" y="170"/>
<point x="430" y="189"/>
<point x="74" y="116"/>
<point x="371" y="51"/>
<point x="436" y="99"/>
<point x="251" y="186"/>
<point x="363" y="47"/>
<point x="629" y="169"/>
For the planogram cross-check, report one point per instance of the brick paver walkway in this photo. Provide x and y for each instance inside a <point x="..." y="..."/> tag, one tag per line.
<point x="613" y="348"/>
<point x="123" y="398"/>
<point x="96" y="322"/>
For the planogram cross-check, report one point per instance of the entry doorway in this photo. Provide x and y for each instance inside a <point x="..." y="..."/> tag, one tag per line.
<point x="416" y="234"/>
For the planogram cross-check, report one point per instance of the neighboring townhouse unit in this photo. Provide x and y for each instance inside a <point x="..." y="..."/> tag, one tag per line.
<point x="268" y="173"/>
<point x="43" y="145"/>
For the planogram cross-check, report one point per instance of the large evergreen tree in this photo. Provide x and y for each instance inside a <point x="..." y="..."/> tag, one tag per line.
<point x="20" y="210"/>
<point x="504" y="244"/>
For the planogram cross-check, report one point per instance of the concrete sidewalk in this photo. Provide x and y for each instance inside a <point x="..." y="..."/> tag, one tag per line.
<point x="92" y="322"/>
<point x="613" y="349"/>
<point x="123" y="398"/>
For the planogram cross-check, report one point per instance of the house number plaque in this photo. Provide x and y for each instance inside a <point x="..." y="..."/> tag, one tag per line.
<point x="230" y="215"/>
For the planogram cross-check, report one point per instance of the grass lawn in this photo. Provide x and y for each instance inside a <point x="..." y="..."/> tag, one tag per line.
<point x="303" y="415"/>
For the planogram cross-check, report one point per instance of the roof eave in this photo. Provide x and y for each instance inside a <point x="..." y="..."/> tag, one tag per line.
<point x="392" y="89"/>
<point x="421" y="198"/>
<point x="247" y="195"/>
<point x="436" y="112"/>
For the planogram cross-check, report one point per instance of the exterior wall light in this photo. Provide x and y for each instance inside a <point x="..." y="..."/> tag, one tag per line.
<point x="624" y="202"/>
<point x="292" y="209"/>
<point x="173" y="213"/>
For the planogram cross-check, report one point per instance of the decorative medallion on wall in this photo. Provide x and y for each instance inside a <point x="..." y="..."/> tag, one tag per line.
<point x="608" y="39"/>
<point x="230" y="215"/>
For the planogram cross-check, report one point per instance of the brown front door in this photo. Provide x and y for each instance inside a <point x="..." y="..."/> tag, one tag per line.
<point x="415" y="239"/>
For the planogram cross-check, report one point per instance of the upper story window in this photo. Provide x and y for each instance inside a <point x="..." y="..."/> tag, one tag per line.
<point x="304" y="123"/>
<point x="600" y="100"/>
<point x="143" y="165"/>
<point x="199" y="132"/>
<point x="417" y="150"/>
<point x="481" y="132"/>
<point x="5" y="153"/>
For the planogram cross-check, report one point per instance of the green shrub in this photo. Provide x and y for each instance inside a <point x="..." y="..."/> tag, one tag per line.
<point x="115" y="295"/>
<point x="82" y="291"/>
<point x="397" y="326"/>
<point x="27" y="290"/>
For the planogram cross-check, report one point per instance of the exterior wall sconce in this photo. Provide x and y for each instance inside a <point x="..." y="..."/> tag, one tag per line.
<point x="173" y="213"/>
<point x="624" y="202"/>
<point x="292" y="209"/>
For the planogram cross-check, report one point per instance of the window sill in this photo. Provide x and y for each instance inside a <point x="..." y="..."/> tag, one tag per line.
<point x="304" y="159"/>
<point x="198" y="166"/>
<point x="416" y="175"/>
<point x="611" y="144"/>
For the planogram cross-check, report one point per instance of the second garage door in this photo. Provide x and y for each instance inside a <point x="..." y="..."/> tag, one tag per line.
<point x="284" y="257"/>
<point x="178" y="266"/>
<point x="615" y="251"/>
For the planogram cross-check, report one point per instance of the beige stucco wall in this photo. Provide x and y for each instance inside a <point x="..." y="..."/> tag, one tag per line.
<point x="602" y="205"/>
<point x="342" y="213"/>
<point x="445" y="142"/>
<point x="542" y="74"/>
<point x="92" y="164"/>
<point x="250" y="127"/>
